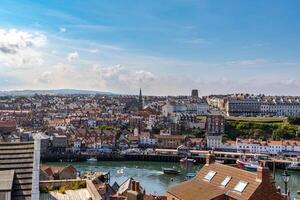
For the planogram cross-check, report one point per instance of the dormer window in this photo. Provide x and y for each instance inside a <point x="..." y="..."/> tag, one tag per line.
<point x="209" y="175"/>
<point x="240" y="187"/>
<point x="226" y="181"/>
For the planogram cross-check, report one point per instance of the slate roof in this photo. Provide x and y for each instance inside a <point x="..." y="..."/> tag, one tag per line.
<point x="200" y="189"/>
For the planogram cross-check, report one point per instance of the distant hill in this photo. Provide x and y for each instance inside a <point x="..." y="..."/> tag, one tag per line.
<point x="52" y="92"/>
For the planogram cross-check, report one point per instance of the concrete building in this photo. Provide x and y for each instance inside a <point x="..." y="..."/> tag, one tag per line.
<point x="6" y="184"/>
<point x="243" y="107"/>
<point x="23" y="160"/>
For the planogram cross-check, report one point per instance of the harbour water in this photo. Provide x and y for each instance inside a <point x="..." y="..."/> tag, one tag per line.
<point x="151" y="176"/>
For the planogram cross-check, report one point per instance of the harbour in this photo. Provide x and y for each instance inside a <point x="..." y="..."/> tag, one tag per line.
<point x="151" y="176"/>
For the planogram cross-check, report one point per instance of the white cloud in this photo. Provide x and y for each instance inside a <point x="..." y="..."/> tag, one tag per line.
<point x="118" y="77"/>
<point x="19" y="48"/>
<point x="45" y="77"/>
<point x="72" y="56"/>
<point x="94" y="50"/>
<point x="62" y="30"/>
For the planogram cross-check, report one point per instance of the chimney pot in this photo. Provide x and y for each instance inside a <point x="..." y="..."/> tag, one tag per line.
<point x="210" y="158"/>
<point x="133" y="185"/>
<point x="137" y="186"/>
<point x="263" y="173"/>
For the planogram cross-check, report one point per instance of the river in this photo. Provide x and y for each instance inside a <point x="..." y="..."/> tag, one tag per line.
<point x="151" y="176"/>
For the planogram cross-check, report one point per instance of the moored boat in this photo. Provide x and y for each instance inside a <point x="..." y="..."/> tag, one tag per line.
<point x="251" y="166"/>
<point x="187" y="160"/>
<point x="92" y="159"/>
<point x="170" y="171"/>
<point x="241" y="163"/>
<point x="294" y="166"/>
<point x="190" y="176"/>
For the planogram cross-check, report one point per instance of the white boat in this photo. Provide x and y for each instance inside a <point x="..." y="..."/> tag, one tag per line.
<point x="295" y="166"/>
<point x="92" y="159"/>
<point x="120" y="171"/>
<point x="251" y="166"/>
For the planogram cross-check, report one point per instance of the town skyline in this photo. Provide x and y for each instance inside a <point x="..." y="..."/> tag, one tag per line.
<point x="244" y="47"/>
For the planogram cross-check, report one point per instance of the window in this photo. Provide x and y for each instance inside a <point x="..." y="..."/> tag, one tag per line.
<point x="240" y="186"/>
<point x="209" y="175"/>
<point x="226" y="181"/>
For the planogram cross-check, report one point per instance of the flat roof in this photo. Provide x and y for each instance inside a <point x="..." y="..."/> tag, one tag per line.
<point x="7" y="178"/>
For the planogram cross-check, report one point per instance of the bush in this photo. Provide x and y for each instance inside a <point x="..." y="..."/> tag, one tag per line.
<point x="294" y="120"/>
<point x="44" y="189"/>
<point x="62" y="190"/>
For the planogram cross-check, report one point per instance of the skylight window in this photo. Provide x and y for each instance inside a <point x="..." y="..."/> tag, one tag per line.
<point x="226" y="181"/>
<point x="240" y="186"/>
<point x="209" y="175"/>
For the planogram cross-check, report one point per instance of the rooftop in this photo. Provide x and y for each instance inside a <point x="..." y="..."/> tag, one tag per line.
<point x="7" y="178"/>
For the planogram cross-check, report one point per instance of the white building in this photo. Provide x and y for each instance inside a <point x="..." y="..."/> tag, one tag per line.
<point x="145" y="139"/>
<point x="214" y="141"/>
<point x="191" y="108"/>
<point x="288" y="147"/>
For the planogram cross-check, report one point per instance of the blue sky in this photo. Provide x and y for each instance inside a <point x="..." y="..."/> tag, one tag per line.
<point x="165" y="47"/>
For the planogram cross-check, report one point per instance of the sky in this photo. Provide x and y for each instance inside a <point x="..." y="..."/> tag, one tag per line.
<point x="165" y="47"/>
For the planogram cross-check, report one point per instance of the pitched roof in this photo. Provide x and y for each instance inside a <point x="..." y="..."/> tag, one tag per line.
<point x="212" y="189"/>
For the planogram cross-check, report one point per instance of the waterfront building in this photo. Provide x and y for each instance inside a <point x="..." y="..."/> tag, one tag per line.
<point x="147" y="140"/>
<point x="222" y="182"/>
<point x="214" y="141"/>
<point x="283" y="147"/>
<point x="133" y="141"/>
<point x="170" y="141"/>
<point x="59" y="143"/>
<point x="215" y="126"/>
<point x="58" y="172"/>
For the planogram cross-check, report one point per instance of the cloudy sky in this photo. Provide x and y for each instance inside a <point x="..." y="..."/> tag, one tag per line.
<point x="164" y="47"/>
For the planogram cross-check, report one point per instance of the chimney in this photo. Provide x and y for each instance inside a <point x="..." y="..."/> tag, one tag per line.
<point x="137" y="186"/>
<point x="133" y="185"/>
<point x="263" y="173"/>
<point x="210" y="158"/>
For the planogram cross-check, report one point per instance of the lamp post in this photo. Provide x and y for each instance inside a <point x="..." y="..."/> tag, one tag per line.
<point x="285" y="177"/>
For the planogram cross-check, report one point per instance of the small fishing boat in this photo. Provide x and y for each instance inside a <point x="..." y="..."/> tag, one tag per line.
<point x="92" y="159"/>
<point x="170" y="171"/>
<point x="190" y="176"/>
<point x="295" y="166"/>
<point x="120" y="171"/>
<point x="220" y="161"/>
<point x="187" y="160"/>
<point x="241" y="163"/>
<point x="251" y="166"/>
